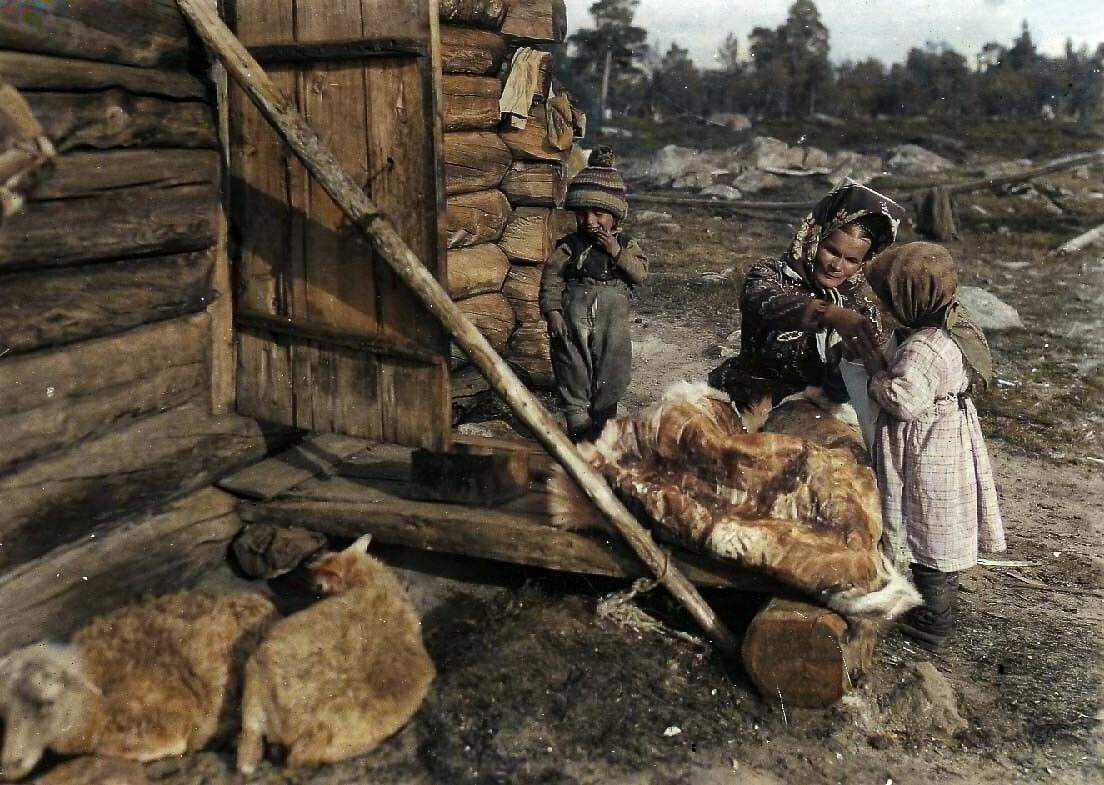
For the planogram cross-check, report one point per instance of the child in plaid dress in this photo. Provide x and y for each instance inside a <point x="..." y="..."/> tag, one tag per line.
<point x="939" y="502"/>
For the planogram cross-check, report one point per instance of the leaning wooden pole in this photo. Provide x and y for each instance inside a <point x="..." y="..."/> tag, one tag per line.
<point x="349" y="196"/>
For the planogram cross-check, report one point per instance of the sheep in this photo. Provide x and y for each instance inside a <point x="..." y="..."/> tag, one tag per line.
<point x="156" y="678"/>
<point x="334" y="680"/>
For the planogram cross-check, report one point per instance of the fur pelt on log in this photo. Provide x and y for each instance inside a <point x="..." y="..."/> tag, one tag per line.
<point x="806" y="515"/>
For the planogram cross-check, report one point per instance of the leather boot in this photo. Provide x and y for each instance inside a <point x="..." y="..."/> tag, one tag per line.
<point x="931" y="624"/>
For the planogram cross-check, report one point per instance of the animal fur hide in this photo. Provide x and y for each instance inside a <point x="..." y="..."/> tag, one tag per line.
<point x="804" y="514"/>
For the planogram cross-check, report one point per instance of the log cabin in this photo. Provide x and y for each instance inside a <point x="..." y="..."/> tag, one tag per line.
<point x="194" y="335"/>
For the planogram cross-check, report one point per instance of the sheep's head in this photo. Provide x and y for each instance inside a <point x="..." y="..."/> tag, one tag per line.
<point x="44" y="697"/>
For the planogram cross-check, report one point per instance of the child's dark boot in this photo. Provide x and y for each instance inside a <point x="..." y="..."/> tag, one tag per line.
<point x="932" y="624"/>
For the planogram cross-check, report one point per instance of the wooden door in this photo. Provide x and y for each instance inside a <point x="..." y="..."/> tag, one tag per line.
<point x="329" y="339"/>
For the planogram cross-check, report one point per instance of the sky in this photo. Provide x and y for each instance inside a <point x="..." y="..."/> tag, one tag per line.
<point x="862" y="28"/>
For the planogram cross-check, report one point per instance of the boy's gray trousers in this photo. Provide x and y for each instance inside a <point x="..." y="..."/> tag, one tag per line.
<point x="593" y="359"/>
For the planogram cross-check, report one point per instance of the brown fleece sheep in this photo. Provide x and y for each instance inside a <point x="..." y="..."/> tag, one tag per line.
<point x="333" y="681"/>
<point x="157" y="678"/>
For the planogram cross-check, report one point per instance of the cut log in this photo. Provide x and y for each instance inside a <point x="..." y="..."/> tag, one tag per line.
<point x="528" y="352"/>
<point x="469" y="390"/>
<point x="476" y="270"/>
<point x="127" y="222"/>
<point x="318" y="454"/>
<point x="935" y="215"/>
<point x="468" y="51"/>
<point x="527" y="238"/>
<point x="55" y="594"/>
<point x="1081" y="241"/>
<point x="468" y="476"/>
<point x="470" y="102"/>
<point x="478" y="13"/>
<point x="526" y="311"/>
<point x="805" y="655"/>
<point x="535" y="184"/>
<point x="52" y="307"/>
<point x="532" y="141"/>
<point x="529" y="77"/>
<point x="492" y="316"/>
<point x="91" y="173"/>
<point x="129" y="471"/>
<point x="56" y="398"/>
<point x="476" y="217"/>
<point x="117" y="118"/>
<point x="523" y="283"/>
<point x="39" y="72"/>
<point x="133" y="32"/>
<point x="474" y="161"/>
<point x="536" y="20"/>
<point x="563" y="223"/>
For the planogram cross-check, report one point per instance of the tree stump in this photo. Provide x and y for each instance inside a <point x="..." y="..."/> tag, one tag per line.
<point x="935" y="215"/>
<point x="805" y="655"/>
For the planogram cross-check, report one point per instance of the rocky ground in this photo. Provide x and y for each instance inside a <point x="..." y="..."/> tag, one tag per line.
<point x="535" y="686"/>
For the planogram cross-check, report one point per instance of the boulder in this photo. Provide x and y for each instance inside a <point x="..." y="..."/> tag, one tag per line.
<point x="988" y="311"/>
<point x="731" y="121"/>
<point x="752" y="181"/>
<point x="766" y="152"/>
<point x="912" y="159"/>
<point x="722" y="192"/>
<point x="860" y="168"/>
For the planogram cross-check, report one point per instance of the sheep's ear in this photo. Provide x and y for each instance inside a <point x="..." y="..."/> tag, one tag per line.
<point x="361" y="544"/>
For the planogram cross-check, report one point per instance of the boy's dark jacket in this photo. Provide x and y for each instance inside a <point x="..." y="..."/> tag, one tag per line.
<point x="568" y="261"/>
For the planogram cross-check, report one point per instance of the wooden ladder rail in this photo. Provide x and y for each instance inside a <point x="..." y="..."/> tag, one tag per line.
<point x="363" y="213"/>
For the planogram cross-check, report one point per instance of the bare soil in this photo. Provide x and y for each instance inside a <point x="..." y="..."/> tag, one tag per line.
<point x="535" y="687"/>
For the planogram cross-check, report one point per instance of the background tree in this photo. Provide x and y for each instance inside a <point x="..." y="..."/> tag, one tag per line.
<point x="675" y="86"/>
<point x="805" y="41"/>
<point x="608" y="55"/>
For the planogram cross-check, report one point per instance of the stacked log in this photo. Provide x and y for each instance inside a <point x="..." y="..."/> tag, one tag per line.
<point x="106" y="266"/>
<point x="507" y="139"/>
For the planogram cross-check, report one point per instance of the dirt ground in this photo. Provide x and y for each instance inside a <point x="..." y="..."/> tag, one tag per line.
<point x="534" y="687"/>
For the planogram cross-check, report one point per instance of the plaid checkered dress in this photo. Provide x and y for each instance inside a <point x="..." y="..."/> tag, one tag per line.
<point x="939" y="502"/>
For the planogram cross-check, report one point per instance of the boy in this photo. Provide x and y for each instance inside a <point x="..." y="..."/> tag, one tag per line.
<point x="584" y="297"/>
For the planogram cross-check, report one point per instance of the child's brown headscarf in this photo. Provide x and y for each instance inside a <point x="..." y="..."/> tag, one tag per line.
<point x="918" y="282"/>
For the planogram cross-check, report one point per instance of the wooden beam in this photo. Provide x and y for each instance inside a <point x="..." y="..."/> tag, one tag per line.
<point x="319" y="453"/>
<point x="178" y="544"/>
<point x="364" y="215"/>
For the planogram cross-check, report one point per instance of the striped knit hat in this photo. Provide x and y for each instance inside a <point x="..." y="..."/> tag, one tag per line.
<point x="599" y="186"/>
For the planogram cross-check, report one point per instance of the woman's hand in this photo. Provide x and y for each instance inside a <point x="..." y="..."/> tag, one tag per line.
<point x="556" y="324"/>
<point x="856" y="331"/>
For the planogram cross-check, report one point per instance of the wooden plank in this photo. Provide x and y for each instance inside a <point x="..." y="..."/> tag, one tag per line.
<point x="40" y="72"/>
<point x="90" y="173"/>
<point x="173" y="549"/>
<point x="223" y="359"/>
<point x="118" y="118"/>
<point x="129" y="471"/>
<point x="356" y="49"/>
<point x="56" y="398"/>
<point x="386" y="344"/>
<point x="144" y="220"/>
<point x="319" y="453"/>
<point x="345" y="508"/>
<point x="133" y="32"/>
<point x="51" y="307"/>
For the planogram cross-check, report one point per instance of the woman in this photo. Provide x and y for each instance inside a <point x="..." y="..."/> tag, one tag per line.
<point x="795" y="307"/>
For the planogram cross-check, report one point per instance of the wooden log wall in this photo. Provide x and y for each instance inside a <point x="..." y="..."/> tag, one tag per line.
<point x="105" y="325"/>
<point x="505" y="174"/>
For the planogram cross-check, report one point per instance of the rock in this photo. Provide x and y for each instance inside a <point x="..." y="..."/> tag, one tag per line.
<point x="722" y="192"/>
<point x="752" y="181"/>
<point x="718" y="352"/>
<point x="646" y="216"/>
<point x="912" y="159"/>
<point x="925" y="703"/>
<point x="767" y="152"/>
<point x="266" y="551"/>
<point x="694" y="178"/>
<point x="860" y="168"/>
<point x="1005" y="168"/>
<point x="815" y="158"/>
<point x="671" y="227"/>
<point x="988" y="311"/>
<point x="828" y="120"/>
<point x="95" y="771"/>
<point x="731" y="121"/>
<point x="609" y="130"/>
<point x="673" y="162"/>
<point x="733" y="338"/>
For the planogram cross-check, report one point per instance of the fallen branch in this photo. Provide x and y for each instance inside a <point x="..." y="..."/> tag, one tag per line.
<point x="366" y="217"/>
<point x="1081" y="241"/>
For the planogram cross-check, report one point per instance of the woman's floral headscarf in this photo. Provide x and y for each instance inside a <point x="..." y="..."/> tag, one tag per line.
<point x="845" y="204"/>
<point x="918" y="282"/>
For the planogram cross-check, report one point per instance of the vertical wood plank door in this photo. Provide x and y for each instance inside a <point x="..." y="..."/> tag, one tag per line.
<point x="329" y="339"/>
